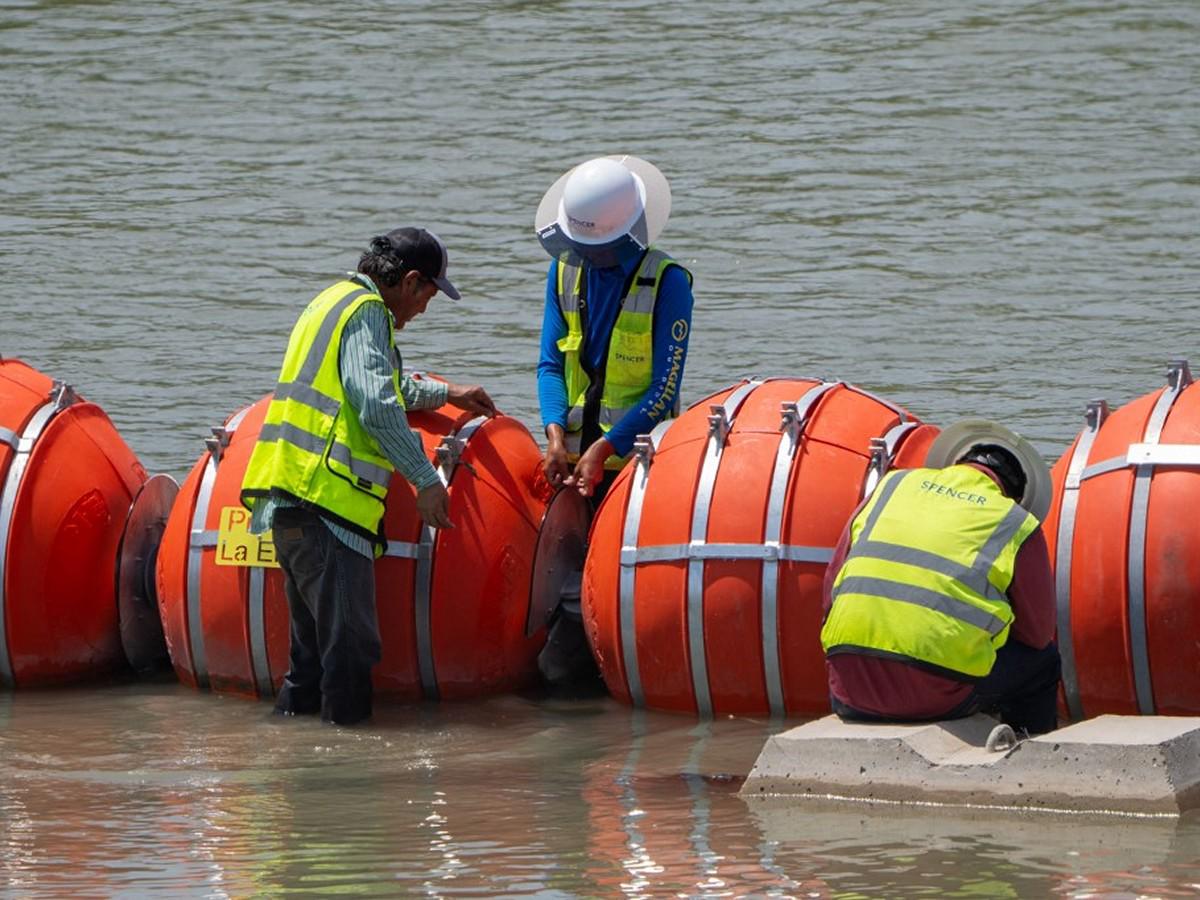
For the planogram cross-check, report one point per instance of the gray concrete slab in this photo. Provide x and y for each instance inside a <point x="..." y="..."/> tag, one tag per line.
<point x="1143" y="765"/>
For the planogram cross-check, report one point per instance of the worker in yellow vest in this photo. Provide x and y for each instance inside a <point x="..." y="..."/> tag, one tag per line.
<point x="319" y="474"/>
<point x="615" y="329"/>
<point x="616" y="321"/>
<point x="939" y="601"/>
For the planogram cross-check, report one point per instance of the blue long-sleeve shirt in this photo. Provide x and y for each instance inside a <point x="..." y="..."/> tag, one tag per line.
<point x="365" y="364"/>
<point x="672" y="328"/>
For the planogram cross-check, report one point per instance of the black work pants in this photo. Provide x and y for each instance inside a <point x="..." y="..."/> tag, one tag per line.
<point x="334" y="640"/>
<point x="1022" y="688"/>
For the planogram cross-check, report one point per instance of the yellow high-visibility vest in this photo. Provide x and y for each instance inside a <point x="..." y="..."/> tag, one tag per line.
<point x="629" y="366"/>
<point x="312" y="449"/>
<point x="931" y="558"/>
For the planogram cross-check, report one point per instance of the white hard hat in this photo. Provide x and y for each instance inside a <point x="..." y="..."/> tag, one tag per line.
<point x="603" y="201"/>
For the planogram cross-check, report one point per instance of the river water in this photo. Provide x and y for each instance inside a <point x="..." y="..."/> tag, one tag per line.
<point x="970" y="209"/>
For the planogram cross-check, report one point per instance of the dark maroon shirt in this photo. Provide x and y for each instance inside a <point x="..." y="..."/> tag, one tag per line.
<point x="893" y="689"/>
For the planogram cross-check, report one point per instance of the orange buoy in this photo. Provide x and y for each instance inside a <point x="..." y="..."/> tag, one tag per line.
<point x="74" y="544"/>
<point x="702" y="585"/>
<point x="454" y="606"/>
<point x="1123" y="536"/>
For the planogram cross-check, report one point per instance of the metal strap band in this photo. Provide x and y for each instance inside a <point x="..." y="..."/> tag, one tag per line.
<point x="1178" y="378"/>
<point x="1178" y="455"/>
<point x="923" y="597"/>
<point x="320" y="345"/>
<point x="8" y="437"/>
<point x="423" y="588"/>
<point x="205" y="537"/>
<point x="8" y="501"/>
<point x="1097" y="412"/>
<point x="235" y="420"/>
<point x="643" y="457"/>
<point x="722" y="423"/>
<point x="699" y="550"/>
<point x="195" y="567"/>
<point x="405" y="550"/>
<point x="796" y="417"/>
<point x="308" y="395"/>
<point x="260" y="660"/>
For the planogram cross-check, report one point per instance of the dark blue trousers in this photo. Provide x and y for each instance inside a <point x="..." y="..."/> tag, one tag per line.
<point x="334" y="641"/>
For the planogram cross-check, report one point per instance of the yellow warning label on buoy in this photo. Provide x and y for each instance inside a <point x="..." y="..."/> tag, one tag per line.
<point x="236" y="546"/>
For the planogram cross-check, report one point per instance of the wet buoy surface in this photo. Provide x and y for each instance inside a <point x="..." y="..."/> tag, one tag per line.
<point x="453" y="605"/>
<point x="702" y="585"/>
<point x="67" y="483"/>
<point x="1125" y="542"/>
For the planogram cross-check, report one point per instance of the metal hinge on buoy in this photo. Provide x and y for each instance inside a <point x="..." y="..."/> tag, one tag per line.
<point x="718" y="423"/>
<point x="62" y="395"/>
<point x="218" y="442"/>
<point x="643" y="450"/>
<point x="1179" y="374"/>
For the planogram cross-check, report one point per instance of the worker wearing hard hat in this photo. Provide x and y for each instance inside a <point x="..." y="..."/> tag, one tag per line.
<point x="333" y="435"/>
<point x="939" y="601"/>
<point x="617" y="318"/>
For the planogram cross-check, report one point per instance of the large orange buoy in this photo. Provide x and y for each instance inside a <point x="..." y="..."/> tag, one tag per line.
<point x="702" y="585"/>
<point x="74" y="544"/>
<point x="456" y="607"/>
<point x="1125" y="542"/>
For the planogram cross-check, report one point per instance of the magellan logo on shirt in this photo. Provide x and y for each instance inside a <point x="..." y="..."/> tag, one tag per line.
<point x="679" y="329"/>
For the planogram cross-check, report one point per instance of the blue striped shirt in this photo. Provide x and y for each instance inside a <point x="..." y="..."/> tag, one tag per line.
<point x="365" y="364"/>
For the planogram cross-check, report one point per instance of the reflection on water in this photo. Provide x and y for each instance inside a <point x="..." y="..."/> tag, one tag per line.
<point x="140" y="788"/>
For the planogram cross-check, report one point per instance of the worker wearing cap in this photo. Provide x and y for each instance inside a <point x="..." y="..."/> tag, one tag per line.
<point x="939" y="600"/>
<point x="319" y="474"/>
<point x="617" y="318"/>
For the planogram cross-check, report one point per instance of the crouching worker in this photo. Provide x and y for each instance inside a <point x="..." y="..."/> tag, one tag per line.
<point x="939" y="601"/>
<point x="318" y="476"/>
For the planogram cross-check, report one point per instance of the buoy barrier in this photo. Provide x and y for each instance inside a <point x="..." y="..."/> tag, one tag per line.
<point x="78" y="520"/>
<point x="459" y="613"/>
<point x="1126" y="550"/>
<point x="702" y="584"/>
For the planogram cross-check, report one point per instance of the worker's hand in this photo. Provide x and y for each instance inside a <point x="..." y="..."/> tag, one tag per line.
<point x="433" y="503"/>
<point x="472" y="398"/>
<point x="590" y="469"/>
<point x="555" y="463"/>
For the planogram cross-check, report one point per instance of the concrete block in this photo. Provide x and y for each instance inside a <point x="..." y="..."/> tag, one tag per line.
<point x="1144" y="765"/>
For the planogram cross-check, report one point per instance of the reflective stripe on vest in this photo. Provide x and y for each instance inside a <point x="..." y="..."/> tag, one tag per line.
<point x="629" y="367"/>
<point x="311" y="446"/>
<point x="931" y="559"/>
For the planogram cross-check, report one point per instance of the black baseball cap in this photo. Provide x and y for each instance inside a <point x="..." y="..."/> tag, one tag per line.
<point x="424" y="251"/>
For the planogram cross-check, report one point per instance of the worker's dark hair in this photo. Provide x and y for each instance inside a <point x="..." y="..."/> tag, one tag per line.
<point x="1004" y="463"/>
<point x="382" y="263"/>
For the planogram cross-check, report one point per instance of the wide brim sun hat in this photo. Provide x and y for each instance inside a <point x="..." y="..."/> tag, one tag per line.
<point x="654" y="191"/>
<point x="953" y="442"/>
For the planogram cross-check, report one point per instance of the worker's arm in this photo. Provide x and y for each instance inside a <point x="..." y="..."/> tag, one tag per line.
<point x="366" y="367"/>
